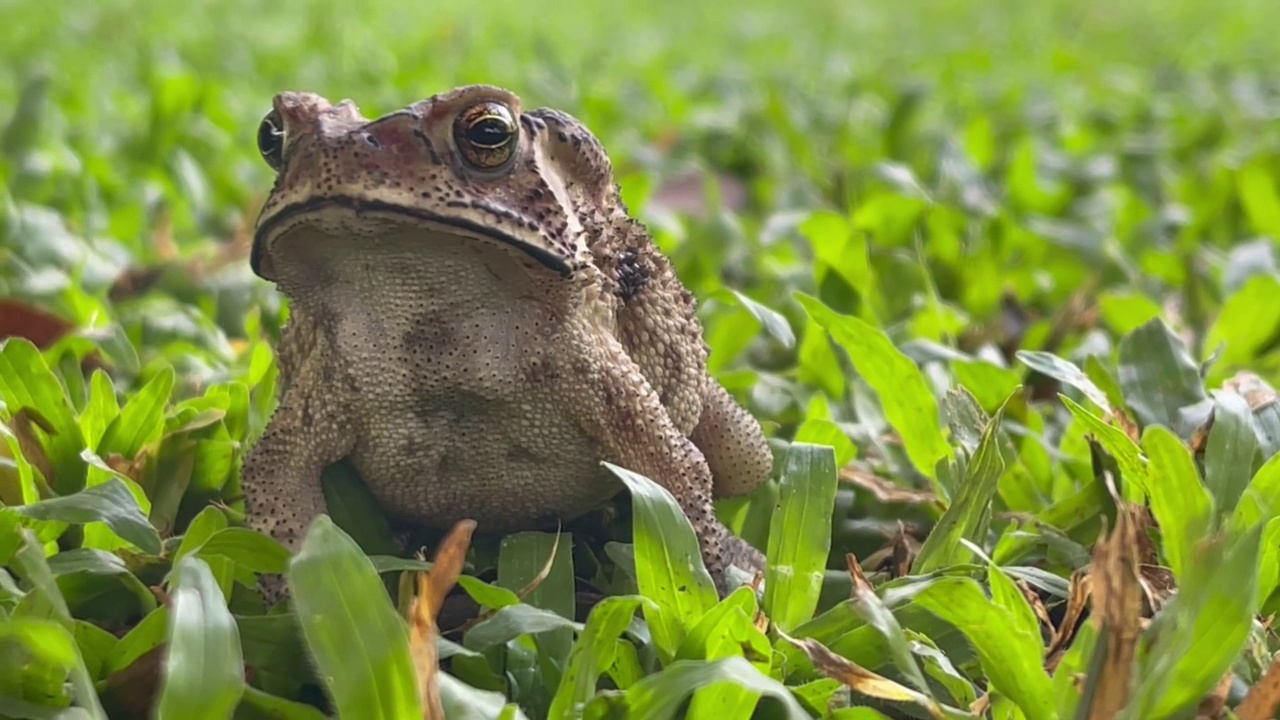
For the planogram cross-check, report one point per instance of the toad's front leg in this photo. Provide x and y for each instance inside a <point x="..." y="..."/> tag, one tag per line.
<point x="281" y="475"/>
<point x="619" y="407"/>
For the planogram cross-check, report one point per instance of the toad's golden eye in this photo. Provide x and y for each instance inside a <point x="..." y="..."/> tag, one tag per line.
<point x="271" y="140"/>
<point x="486" y="135"/>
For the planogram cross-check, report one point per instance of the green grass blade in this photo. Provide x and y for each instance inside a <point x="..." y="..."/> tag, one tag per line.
<point x="513" y="621"/>
<point x="27" y="382"/>
<point x="659" y="696"/>
<point x="110" y="503"/>
<point x="463" y="702"/>
<point x="1114" y="440"/>
<point x="276" y="708"/>
<point x="521" y="558"/>
<point x="800" y="535"/>
<point x="44" y="600"/>
<point x="1181" y="504"/>
<point x="1065" y="372"/>
<point x="1158" y="375"/>
<point x="204" y="667"/>
<point x="1010" y="658"/>
<point x="141" y="420"/>
<point x="354" y="509"/>
<point x="1201" y="631"/>
<point x="1231" y="451"/>
<point x="359" y="643"/>
<point x="872" y="610"/>
<point x="909" y="403"/>
<point x="1247" y="322"/>
<point x="592" y="654"/>
<point x="669" y="567"/>
<point x="45" y="645"/>
<point x="1261" y="499"/>
<point x="964" y="518"/>
<point x="251" y="550"/>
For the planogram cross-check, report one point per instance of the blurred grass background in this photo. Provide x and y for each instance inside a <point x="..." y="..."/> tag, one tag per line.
<point x="804" y="89"/>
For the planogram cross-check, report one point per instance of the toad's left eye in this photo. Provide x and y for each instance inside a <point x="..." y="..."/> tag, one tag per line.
<point x="271" y="140"/>
<point x="486" y="135"/>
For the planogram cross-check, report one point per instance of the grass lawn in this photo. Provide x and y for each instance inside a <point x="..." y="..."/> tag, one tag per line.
<point x="999" y="279"/>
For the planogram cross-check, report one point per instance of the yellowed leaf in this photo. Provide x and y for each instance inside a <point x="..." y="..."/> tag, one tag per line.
<point x="433" y="586"/>
<point x="860" y="679"/>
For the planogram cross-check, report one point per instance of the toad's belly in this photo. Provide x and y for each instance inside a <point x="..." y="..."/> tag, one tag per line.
<point x="507" y="466"/>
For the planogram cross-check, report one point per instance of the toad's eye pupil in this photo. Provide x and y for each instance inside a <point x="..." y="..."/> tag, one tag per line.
<point x="268" y="134"/>
<point x="489" y="132"/>
<point x="271" y="140"/>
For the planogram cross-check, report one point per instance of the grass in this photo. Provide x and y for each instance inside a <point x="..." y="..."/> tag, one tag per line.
<point x="999" y="279"/>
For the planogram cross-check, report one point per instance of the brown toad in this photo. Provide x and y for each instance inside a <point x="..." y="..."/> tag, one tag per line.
<point x="476" y="324"/>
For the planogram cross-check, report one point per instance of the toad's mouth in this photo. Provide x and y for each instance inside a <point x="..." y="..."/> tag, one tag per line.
<point x="319" y="213"/>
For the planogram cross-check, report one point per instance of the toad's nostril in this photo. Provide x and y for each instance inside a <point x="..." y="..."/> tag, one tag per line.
<point x="372" y="141"/>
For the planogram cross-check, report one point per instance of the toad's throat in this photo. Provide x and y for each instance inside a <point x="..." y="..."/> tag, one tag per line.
<point x="267" y="231"/>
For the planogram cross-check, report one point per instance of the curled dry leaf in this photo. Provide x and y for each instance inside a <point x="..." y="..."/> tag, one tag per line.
<point x="897" y="555"/>
<point x="522" y="593"/>
<point x="1078" y="592"/>
<point x="1264" y="697"/>
<point x="1037" y="606"/>
<point x="1117" y="612"/>
<point x="860" y="679"/>
<point x="544" y="572"/>
<point x="432" y="588"/>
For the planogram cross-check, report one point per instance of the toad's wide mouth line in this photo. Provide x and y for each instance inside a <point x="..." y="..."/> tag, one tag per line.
<point x="545" y="258"/>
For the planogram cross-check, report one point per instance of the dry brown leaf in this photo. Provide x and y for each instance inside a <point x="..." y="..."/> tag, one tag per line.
<point x="17" y="319"/>
<point x="860" y="679"/>
<point x="1037" y="605"/>
<point x="433" y="586"/>
<point x="1117" y="612"/>
<point x="1158" y="585"/>
<point x="134" y="689"/>
<point x="545" y="571"/>
<point x="24" y="423"/>
<point x="896" y="555"/>
<point x="1264" y="697"/>
<point x="884" y="489"/>
<point x="1078" y="593"/>
<point x="861" y="586"/>
<point x="905" y="550"/>
<point x="1214" y="705"/>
